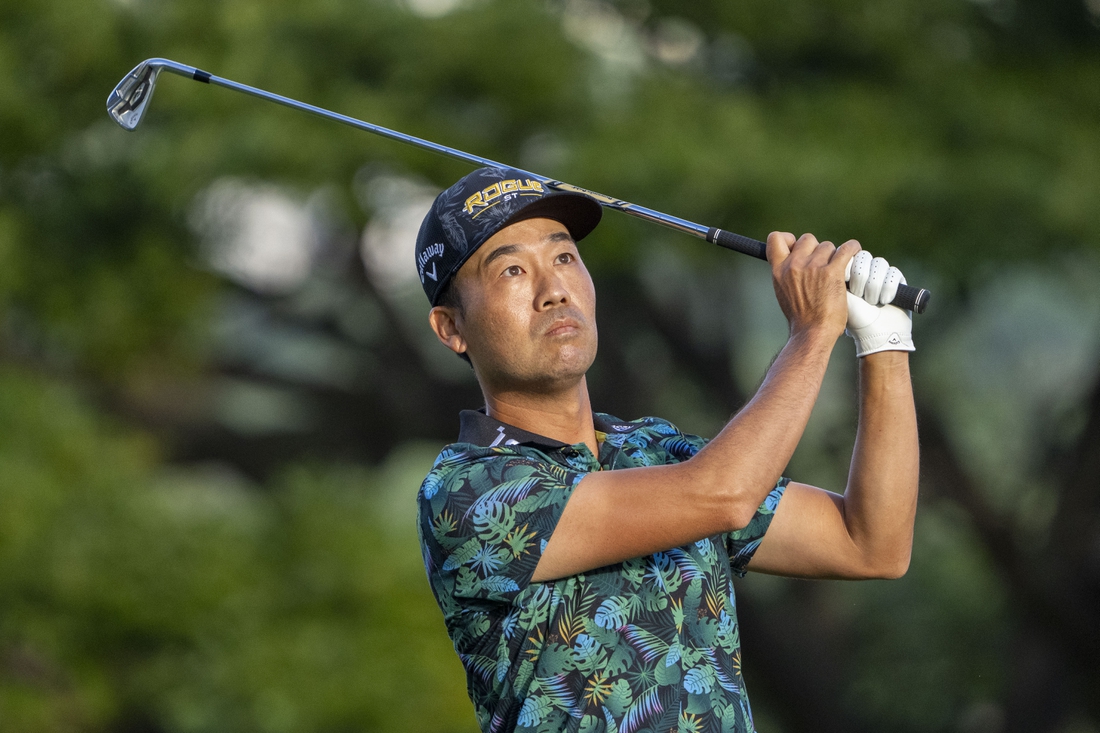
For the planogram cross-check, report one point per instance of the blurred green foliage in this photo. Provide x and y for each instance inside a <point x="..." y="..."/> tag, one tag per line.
<point x="200" y="604"/>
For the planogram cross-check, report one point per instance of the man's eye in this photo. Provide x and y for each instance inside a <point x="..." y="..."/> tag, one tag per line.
<point x="565" y="258"/>
<point x="513" y="271"/>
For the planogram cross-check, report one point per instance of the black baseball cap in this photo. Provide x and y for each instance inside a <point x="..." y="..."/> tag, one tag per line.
<point x="464" y="216"/>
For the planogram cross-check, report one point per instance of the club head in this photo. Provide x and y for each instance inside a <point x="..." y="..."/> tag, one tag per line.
<point x="128" y="100"/>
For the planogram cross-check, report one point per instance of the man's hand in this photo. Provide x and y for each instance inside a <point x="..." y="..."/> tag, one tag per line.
<point x="874" y="326"/>
<point x="809" y="281"/>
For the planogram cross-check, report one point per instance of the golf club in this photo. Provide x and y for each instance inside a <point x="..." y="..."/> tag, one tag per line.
<point x="130" y="99"/>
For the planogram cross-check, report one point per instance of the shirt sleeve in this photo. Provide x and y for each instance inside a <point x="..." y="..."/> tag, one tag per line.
<point x="484" y="524"/>
<point x="741" y="544"/>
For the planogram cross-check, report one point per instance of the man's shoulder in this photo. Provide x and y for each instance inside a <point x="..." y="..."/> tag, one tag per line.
<point x="479" y="464"/>
<point x="483" y="466"/>
<point x="612" y="424"/>
<point x="649" y="432"/>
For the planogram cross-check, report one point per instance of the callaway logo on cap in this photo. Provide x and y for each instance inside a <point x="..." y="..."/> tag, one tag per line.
<point x="468" y="213"/>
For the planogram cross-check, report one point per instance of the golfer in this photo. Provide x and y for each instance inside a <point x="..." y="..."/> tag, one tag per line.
<point x="584" y="563"/>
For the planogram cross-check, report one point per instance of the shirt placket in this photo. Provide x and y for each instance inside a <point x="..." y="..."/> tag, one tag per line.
<point x="579" y="458"/>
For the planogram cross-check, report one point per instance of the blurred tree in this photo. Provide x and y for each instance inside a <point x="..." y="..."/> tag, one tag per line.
<point x="187" y="601"/>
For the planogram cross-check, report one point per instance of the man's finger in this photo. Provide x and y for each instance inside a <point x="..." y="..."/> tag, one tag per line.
<point x="861" y="268"/>
<point x="873" y="288"/>
<point x="844" y="254"/>
<point x="890" y="285"/>
<point x="779" y="246"/>
<point x="806" y="243"/>
<point x="822" y="254"/>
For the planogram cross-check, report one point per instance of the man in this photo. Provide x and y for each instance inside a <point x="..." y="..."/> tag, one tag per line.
<point x="584" y="563"/>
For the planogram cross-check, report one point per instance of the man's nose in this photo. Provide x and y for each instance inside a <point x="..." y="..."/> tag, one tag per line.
<point x="552" y="291"/>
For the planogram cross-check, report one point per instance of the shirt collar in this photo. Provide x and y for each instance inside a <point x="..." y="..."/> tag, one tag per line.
<point x="479" y="429"/>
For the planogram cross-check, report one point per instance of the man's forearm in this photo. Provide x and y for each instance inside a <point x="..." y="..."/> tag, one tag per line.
<point x="748" y="456"/>
<point x="881" y="498"/>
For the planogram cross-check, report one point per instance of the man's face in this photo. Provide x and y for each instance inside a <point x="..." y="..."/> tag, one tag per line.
<point x="528" y="316"/>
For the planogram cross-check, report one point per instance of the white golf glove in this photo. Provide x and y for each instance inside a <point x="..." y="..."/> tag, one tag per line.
<point x="873" y="325"/>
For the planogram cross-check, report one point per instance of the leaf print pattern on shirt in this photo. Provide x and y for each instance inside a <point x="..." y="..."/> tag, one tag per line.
<point x="648" y="644"/>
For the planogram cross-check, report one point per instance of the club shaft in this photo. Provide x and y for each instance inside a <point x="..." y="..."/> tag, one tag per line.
<point x="641" y="212"/>
<point x="908" y="297"/>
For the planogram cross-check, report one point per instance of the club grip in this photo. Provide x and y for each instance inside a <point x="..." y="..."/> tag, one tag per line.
<point x="738" y="243"/>
<point x="908" y="297"/>
<point x="911" y="299"/>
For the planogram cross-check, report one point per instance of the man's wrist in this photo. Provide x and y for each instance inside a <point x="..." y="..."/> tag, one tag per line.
<point x="813" y="338"/>
<point x="886" y="360"/>
<point x="885" y="376"/>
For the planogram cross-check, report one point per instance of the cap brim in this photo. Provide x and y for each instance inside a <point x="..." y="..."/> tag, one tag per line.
<point x="579" y="213"/>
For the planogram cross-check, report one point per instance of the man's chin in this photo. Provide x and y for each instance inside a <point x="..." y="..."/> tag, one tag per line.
<point x="561" y="373"/>
<point x="573" y="360"/>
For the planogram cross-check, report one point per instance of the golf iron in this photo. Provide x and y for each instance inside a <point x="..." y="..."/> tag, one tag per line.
<point x="130" y="99"/>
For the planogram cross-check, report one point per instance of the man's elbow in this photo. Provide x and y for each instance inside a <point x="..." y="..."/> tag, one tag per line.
<point x="739" y="513"/>
<point x="889" y="568"/>
<point x="713" y="494"/>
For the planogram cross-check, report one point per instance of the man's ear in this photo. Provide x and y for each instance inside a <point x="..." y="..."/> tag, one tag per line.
<point x="443" y="322"/>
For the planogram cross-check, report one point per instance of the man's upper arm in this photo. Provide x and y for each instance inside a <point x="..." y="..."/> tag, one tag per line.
<point x="808" y="538"/>
<point x="742" y="544"/>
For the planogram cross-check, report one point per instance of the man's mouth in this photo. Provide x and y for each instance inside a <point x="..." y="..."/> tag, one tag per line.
<point x="563" y="327"/>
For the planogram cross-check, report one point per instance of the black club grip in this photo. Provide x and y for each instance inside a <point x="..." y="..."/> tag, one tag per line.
<point x="738" y="243"/>
<point x="908" y="297"/>
<point x="911" y="299"/>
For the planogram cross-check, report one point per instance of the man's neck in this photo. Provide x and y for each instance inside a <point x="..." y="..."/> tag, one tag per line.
<point x="564" y="416"/>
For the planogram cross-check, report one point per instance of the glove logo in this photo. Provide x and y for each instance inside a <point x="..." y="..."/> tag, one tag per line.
<point x="895" y="339"/>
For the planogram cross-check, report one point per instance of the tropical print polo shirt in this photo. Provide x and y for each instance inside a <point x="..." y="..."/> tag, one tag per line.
<point x="650" y="644"/>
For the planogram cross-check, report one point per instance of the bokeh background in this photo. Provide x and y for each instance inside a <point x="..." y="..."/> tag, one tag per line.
<point x="218" y="392"/>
